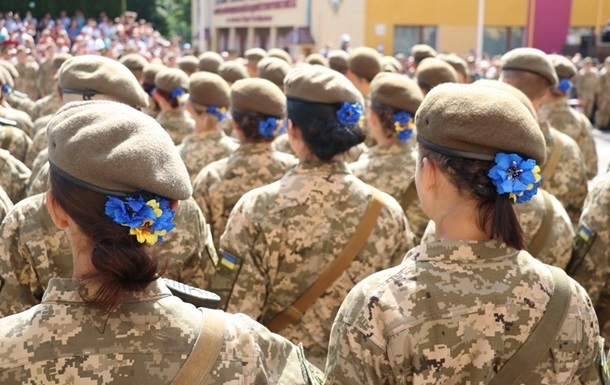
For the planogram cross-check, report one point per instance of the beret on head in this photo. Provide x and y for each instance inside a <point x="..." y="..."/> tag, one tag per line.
<point x="478" y="120"/>
<point x="320" y="85"/>
<point x="113" y="149"/>
<point x="316" y="59"/>
<point x="396" y="91"/>
<point x="255" y="54"/>
<point x="208" y="89"/>
<point x="169" y="79"/>
<point x="337" y="60"/>
<point x="432" y="71"/>
<point x="459" y="65"/>
<point x="59" y="59"/>
<point x="280" y="54"/>
<point x="564" y="68"/>
<point x="210" y="61"/>
<point x="188" y="64"/>
<point x="422" y="51"/>
<point x="100" y="75"/>
<point x="258" y="95"/>
<point x="530" y="60"/>
<point x="391" y="64"/>
<point x="10" y="68"/>
<point x="364" y="62"/>
<point x="233" y="71"/>
<point x="133" y="61"/>
<point x="273" y="69"/>
<point x="150" y="71"/>
<point x="501" y="86"/>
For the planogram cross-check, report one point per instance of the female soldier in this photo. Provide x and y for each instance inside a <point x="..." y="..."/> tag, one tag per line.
<point x="115" y="181"/>
<point x="456" y="310"/>
<point x="287" y="236"/>
<point x="171" y="92"/>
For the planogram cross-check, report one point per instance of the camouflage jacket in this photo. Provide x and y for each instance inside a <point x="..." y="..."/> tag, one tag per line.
<point x="586" y="82"/>
<point x="14" y="176"/>
<point x="5" y="204"/>
<point x="46" y="83"/>
<point x="15" y="141"/>
<point x="20" y="101"/>
<point x="178" y="124"/>
<point x="282" y="236"/>
<point x="200" y="149"/>
<point x="353" y="154"/>
<point x="455" y="312"/>
<point x="602" y="89"/>
<point x="24" y="122"/>
<point x="48" y="105"/>
<point x="40" y="142"/>
<point x="145" y="340"/>
<point x="391" y="169"/>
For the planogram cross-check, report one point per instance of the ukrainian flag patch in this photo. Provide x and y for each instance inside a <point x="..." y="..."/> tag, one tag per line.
<point x="229" y="261"/>
<point x="584" y="233"/>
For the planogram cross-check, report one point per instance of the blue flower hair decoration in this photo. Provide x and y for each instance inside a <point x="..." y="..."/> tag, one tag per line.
<point x="403" y="125"/>
<point x="271" y="127"/>
<point x="349" y="114"/>
<point x="219" y="112"/>
<point x="179" y="94"/>
<point x="565" y="86"/>
<point x="148" y="220"/>
<point x="518" y="177"/>
<point x="6" y="89"/>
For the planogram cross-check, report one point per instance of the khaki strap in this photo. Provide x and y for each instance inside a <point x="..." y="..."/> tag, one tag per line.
<point x="8" y="138"/>
<point x="409" y="196"/>
<point x="583" y="133"/>
<point x="334" y="270"/>
<point x="537" y="345"/>
<point x="548" y="169"/>
<point x="541" y="237"/>
<point x="205" y="351"/>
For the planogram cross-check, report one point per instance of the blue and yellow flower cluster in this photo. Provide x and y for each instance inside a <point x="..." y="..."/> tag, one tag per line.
<point x="349" y="114"/>
<point x="271" y="127"/>
<point x="518" y="177"/>
<point x="403" y="125"/>
<point x="219" y="112"/>
<point x="148" y="220"/>
<point x="179" y="94"/>
<point x="565" y="86"/>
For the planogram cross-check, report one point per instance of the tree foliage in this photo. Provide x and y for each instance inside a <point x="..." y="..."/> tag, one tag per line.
<point x="170" y="17"/>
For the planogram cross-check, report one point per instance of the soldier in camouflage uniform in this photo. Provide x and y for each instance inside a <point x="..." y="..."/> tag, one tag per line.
<point x="49" y="104"/>
<point x="565" y="175"/>
<point x="24" y="122"/>
<point x="135" y="63"/>
<point x="5" y="204"/>
<point x="280" y="237"/>
<point x="390" y="165"/>
<point x="603" y="96"/>
<point x="13" y="139"/>
<point x="14" y="176"/>
<point x="28" y="73"/>
<point x="171" y="91"/>
<point x="585" y="84"/>
<point x="122" y="336"/>
<point x="46" y="84"/>
<point x="209" y="100"/>
<point x="567" y="120"/>
<point x="39" y="141"/>
<point x="456" y="310"/>
<point x="148" y="83"/>
<point x="259" y="108"/>
<point x="432" y="71"/>
<point x="16" y="99"/>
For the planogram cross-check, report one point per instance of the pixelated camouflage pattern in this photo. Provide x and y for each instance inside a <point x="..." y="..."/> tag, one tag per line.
<point x="145" y="340"/>
<point x="287" y="232"/>
<point x="453" y="313"/>
<point x="603" y="99"/>
<point x="20" y="101"/>
<point x="46" y="83"/>
<point x="48" y="105"/>
<point x="41" y="159"/>
<point x="219" y="186"/>
<point x="353" y="154"/>
<point x="18" y="144"/>
<point x="39" y="182"/>
<point x="40" y="141"/>
<point x="24" y="122"/>
<point x="200" y="149"/>
<point x="565" y="119"/>
<point x="585" y="84"/>
<point x="391" y="169"/>
<point x="178" y="124"/>
<point x="28" y="72"/>
<point x="14" y="176"/>
<point x="5" y="204"/>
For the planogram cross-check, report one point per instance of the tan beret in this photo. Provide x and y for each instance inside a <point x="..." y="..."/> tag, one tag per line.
<point x="210" y="61"/>
<point x="501" y="86"/>
<point x="258" y="95"/>
<point x="113" y="149"/>
<point x="607" y="60"/>
<point x="149" y="72"/>
<point x="59" y="59"/>
<point x="530" y="60"/>
<point x="188" y="64"/>
<point x="10" y="68"/>
<point x="364" y="62"/>
<point x="396" y="91"/>
<point x="564" y="68"/>
<point x="391" y="64"/>
<point x="432" y="71"/>
<point x="273" y="69"/>
<point x="255" y="54"/>
<point x="459" y="65"/>
<point x="208" y="89"/>
<point x="280" y="54"/>
<point x="320" y="85"/>
<point x="337" y="60"/>
<point x="233" y="71"/>
<point x="478" y="120"/>
<point x="133" y="61"/>
<point x="316" y="59"/>
<point x="92" y="74"/>
<point x="168" y="79"/>
<point x="422" y="51"/>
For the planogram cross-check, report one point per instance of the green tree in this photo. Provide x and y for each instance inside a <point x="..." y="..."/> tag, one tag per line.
<point x="177" y="14"/>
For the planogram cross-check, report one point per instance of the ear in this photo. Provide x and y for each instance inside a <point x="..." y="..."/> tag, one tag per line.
<point x="173" y="204"/>
<point x="429" y="174"/>
<point x="293" y="132"/>
<point x="58" y="215"/>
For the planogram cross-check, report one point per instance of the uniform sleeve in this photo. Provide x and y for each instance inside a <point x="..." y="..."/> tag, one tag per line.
<point x="202" y="196"/>
<point x="588" y="147"/>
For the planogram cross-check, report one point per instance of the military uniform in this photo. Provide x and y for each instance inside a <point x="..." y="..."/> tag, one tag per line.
<point x="219" y="186"/>
<point x="352" y="155"/>
<point x="20" y="101"/>
<point x="202" y="148"/>
<point x="48" y="105"/>
<point x="454" y="312"/>
<point x="14" y="176"/>
<point x="178" y="124"/>
<point x="40" y="141"/>
<point x="28" y="73"/>
<point x="15" y="141"/>
<point x="5" y="204"/>
<point x="603" y="99"/>
<point x="147" y="340"/>
<point x="24" y="122"/>
<point x="586" y="83"/>
<point x="46" y="83"/>
<point x="285" y="234"/>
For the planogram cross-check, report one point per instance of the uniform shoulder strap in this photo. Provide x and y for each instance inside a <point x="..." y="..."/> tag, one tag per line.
<point x="205" y="351"/>
<point x="548" y="169"/>
<point x="541" y="237"/>
<point x="409" y="196"/>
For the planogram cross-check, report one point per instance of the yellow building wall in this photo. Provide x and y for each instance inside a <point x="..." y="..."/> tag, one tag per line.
<point x="590" y="13"/>
<point x="328" y="23"/>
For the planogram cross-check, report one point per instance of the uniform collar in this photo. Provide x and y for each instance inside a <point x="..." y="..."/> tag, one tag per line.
<point x="251" y="148"/>
<point x="206" y="135"/>
<point x="320" y="167"/>
<point x="449" y="250"/>
<point x="392" y="149"/>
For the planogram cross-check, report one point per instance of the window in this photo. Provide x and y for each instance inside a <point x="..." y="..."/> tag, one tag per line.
<point x="575" y="34"/>
<point x="406" y="37"/>
<point x="499" y="40"/>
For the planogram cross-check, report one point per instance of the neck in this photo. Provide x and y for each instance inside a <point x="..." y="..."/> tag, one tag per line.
<point x="205" y="125"/>
<point x="386" y="141"/>
<point x="459" y="222"/>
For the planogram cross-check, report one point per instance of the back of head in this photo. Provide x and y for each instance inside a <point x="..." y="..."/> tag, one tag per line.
<point x="566" y="71"/>
<point x="210" y="61"/>
<point x="172" y="84"/>
<point x="530" y="70"/>
<point x="364" y="62"/>
<point x="233" y="71"/>
<point x="148" y="76"/>
<point x="188" y="64"/>
<point x="316" y="59"/>
<point x="280" y="54"/>
<point x="459" y="65"/>
<point x="422" y="51"/>
<point x="391" y="64"/>
<point x="498" y="85"/>
<point x="432" y="71"/>
<point x="133" y="61"/>
<point x="208" y="90"/>
<point x="274" y="70"/>
<point x="255" y="55"/>
<point x="337" y="60"/>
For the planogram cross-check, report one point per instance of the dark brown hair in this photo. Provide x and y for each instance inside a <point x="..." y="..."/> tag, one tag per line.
<point x="496" y="212"/>
<point x="122" y="264"/>
<point x="168" y="97"/>
<point x="248" y="124"/>
<point x="386" y="118"/>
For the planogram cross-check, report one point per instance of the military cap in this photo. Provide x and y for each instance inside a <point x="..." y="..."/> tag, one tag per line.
<point x="273" y="69"/>
<point x="396" y="91"/>
<point x="607" y="60"/>
<point x="320" y="85"/>
<point x="133" y="61"/>
<point x="477" y="123"/>
<point x="113" y="149"/>
<point x="316" y="58"/>
<point x="280" y="54"/>
<point x="233" y="71"/>
<point x="364" y="62"/>
<point x="258" y="95"/>
<point x="530" y="60"/>
<point x="168" y="79"/>
<point x="59" y="59"/>
<point x="90" y="75"/>
<point x="210" y="61"/>
<point x="10" y="68"/>
<point x="501" y="86"/>
<point x="422" y="51"/>
<point x="208" y="89"/>
<point x="188" y="64"/>
<point x="564" y="68"/>
<point x="587" y="60"/>
<point x="432" y="71"/>
<point x="459" y="65"/>
<point x="255" y="54"/>
<point x="337" y="60"/>
<point x="150" y="71"/>
<point x="391" y="64"/>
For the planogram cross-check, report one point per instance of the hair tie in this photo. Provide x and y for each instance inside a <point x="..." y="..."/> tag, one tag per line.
<point x="148" y="220"/>
<point x="219" y="112"/>
<point x="518" y="177"/>
<point x="565" y="86"/>
<point x="403" y="125"/>
<point x="271" y="127"/>
<point x="349" y="114"/>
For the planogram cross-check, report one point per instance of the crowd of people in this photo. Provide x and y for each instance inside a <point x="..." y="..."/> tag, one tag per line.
<point x="363" y="219"/>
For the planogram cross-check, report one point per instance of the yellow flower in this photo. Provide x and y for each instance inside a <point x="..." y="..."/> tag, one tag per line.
<point x="144" y="235"/>
<point x="512" y="197"/>
<point x="536" y="172"/>
<point x="155" y="206"/>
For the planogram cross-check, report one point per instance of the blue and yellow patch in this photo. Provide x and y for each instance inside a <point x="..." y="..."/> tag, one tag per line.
<point x="229" y="261"/>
